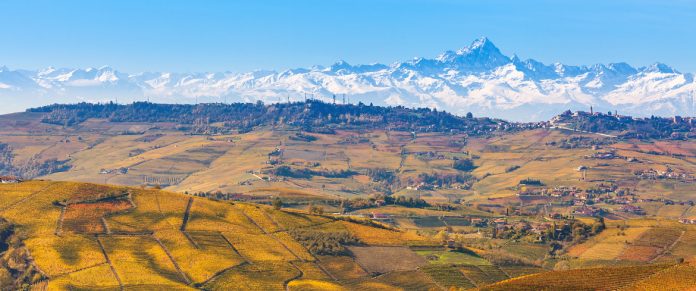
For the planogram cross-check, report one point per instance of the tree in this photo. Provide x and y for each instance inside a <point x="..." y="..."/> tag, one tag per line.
<point x="277" y="203"/>
<point x="554" y="247"/>
<point x="442" y="236"/>
<point x="598" y="226"/>
<point x="318" y="210"/>
<point x="465" y="165"/>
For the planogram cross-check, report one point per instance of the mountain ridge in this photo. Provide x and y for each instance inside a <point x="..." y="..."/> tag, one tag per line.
<point x="477" y="78"/>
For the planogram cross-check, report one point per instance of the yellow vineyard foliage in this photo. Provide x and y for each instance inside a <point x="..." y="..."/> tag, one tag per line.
<point x="309" y="284"/>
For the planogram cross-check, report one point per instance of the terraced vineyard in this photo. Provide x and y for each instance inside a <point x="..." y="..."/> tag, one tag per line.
<point x="608" y="278"/>
<point x="364" y="209"/>
<point x="117" y="237"/>
<point x="448" y="276"/>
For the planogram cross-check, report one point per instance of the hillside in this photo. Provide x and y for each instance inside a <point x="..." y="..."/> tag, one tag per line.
<point x="627" y="127"/>
<point x="89" y="236"/>
<point x="104" y="237"/>
<point x="322" y="150"/>
<point x="310" y="115"/>
<point x="650" y="277"/>
<point x="467" y="201"/>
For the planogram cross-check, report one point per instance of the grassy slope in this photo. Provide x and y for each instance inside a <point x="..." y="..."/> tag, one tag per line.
<point x="222" y="243"/>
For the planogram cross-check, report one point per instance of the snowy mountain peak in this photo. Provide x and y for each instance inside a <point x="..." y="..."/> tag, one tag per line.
<point x="481" y="55"/>
<point x="660" y="68"/>
<point x="481" y="44"/>
<point x="478" y="78"/>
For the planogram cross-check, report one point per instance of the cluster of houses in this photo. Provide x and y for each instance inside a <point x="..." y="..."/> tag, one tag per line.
<point x="606" y="193"/>
<point x="633" y="209"/>
<point x="121" y="171"/>
<point x="9" y="179"/>
<point x="588" y="211"/>
<point x="688" y="220"/>
<point x="429" y="155"/>
<point x="593" y="211"/>
<point x="652" y="174"/>
<point x="427" y="186"/>
<point x="536" y="229"/>
<point x="559" y="191"/>
<point x="604" y="155"/>
<point x="585" y="200"/>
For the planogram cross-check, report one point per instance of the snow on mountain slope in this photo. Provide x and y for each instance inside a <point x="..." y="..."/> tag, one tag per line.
<point x="477" y="78"/>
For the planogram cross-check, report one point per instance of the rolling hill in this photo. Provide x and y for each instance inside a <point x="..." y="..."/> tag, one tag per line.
<point x="373" y="198"/>
<point x="87" y="236"/>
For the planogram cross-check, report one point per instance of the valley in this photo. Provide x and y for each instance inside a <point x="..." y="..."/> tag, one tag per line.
<point x="316" y="196"/>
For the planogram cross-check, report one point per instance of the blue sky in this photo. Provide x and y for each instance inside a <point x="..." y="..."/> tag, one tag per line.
<point x="195" y="36"/>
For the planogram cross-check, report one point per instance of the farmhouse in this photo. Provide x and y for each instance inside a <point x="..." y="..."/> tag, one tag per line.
<point x="632" y="209"/>
<point x="588" y="211"/>
<point x="500" y="222"/>
<point x="687" y="220"/>
<point x="380" y="216"/>
<point x="652" y="174"/>
<point x="476" y="221"/>
<point x="9" y="179"/>
<point x="540" y="228"/>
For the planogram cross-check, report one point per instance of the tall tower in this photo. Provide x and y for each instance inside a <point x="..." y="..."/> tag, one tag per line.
<point x="591" y="111"/>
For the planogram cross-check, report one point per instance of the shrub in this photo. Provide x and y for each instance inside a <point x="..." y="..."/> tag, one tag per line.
<point x="466" y="165"/>
<point x="530" y="181"/>
<point x="324" y="243"/>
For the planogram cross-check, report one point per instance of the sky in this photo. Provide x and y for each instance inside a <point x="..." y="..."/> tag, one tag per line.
<point x="237" y="36"/>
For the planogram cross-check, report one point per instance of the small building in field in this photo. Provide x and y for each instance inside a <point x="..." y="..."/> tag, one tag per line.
<point x="632" y="209"/>
<point x="475" y="221"/>
<point x="687" y="220"/>
<point x="9" y="179"/>
<point x="380" y="217"/>
<point x="587" y="211"/>
<point x="500" y="222"/>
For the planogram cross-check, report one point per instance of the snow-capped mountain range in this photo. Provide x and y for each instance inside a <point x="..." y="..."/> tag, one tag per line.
<point x="478" y="79"/>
